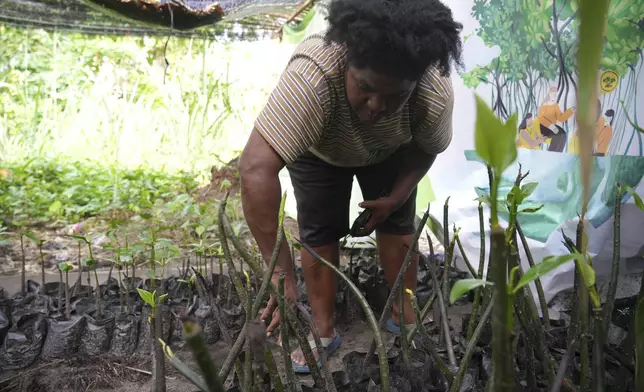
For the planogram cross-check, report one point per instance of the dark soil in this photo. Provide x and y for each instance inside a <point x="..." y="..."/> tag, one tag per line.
<point x="61" y="363"/>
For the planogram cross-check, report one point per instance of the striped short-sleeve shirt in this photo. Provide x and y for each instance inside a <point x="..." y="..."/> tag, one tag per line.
<point x="308" y="111"/>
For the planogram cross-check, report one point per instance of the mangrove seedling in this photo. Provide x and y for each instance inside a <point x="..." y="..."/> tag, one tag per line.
<point x="639" y="311"/>
<point x="88" y="242"/>
<point x="60" y="289"/>
<point x="92" y="264"/>
<point x="39" y="243"/>
<point x="158" y="368"/>
<point x="66" y="267"/>
<point x="495" y="144"/>
<point x="478" y="294"/>
<point x="286" y="345"/>
<point x="125" y="259"/>
<point x="23" y="261"/>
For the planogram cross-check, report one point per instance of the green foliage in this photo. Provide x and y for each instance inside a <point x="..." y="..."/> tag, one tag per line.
<point x="461" y="287"/>
<point x="638" y="200"/>
<point x="548" y="264"/>
<point x="81" y="190"/>
<point x="630" y="121"/>
<point x="137" y="101"/>
<point x="518" y="195"/>
<point x="519" y="30"/>
<point x="3" y="234"/>
<point x="34" y="238"/>
<point x="65" y="267"/>
<point x="494" y="140"/>
<point x="624" y="38"/>
<point x="147" y="297"/>
<point x="530" y="210"/>
<point x="436" y="227"/>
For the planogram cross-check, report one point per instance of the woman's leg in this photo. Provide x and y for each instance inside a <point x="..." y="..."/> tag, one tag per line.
<point x="321" y="288"/>
<point x="394" y="236"/>
<point x="322" y="193"/>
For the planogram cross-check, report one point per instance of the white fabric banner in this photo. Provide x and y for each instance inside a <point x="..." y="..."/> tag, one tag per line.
<point x="521" y="59"/>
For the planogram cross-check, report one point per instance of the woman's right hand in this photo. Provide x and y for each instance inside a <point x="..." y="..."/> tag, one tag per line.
<point x="271" y="312"/>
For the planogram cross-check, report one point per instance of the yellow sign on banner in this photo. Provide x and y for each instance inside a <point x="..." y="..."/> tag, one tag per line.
<point x="609" y="81"/>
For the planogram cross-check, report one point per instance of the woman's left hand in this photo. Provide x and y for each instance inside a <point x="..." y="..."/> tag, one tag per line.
<point x="380" y="208"/>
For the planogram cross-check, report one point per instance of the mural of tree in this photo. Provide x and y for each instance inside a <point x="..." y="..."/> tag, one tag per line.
<point x="623" y="54"/>
<point x="522" y="64"/>
<point x="537" y="46"/>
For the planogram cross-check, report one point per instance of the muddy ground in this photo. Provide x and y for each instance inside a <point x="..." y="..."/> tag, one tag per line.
<point x="104" y="374"/>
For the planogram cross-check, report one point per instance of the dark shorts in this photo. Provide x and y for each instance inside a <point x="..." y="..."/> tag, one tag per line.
<point x="323" y="192"/>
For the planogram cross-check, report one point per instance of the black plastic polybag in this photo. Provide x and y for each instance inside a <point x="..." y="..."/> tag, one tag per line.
<point x="63" y="337"/>
<point x="124" y="338"/>
<point x="98" y="334"/>
<point x="205" y="317"/>
<point x="23" y="343"/>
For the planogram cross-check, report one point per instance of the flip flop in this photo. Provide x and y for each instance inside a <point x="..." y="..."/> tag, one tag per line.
<point x="330" y="345"/>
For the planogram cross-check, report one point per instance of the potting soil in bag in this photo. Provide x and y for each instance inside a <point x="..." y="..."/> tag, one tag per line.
<point x="233" y="319"/>
<point x="6" y="305"/>
<point x="124" y="338"/>
<point x="63" y="337"/>
<point x="5" y="324"/>
<point x="397" y="383"/>
<point x="33" y="303"/>
<point x="177" y="325"/>
<point x="33" y="286"/>
<point x="84" y="306"/>
<point x="348" y="309"/>
<point x="53" y="288"/>
<point x="178" y="290"/>
<point x="206" y="319"/>
<point x="358" y="375"/>
<point x="98" y="334"/>
<point x="371" y="281"/>
<point x="419" y="370"/>
<point x="23" y="343"/>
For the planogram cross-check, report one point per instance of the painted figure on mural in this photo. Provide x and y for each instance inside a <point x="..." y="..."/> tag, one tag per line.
<point x="551" y="118"/>
<point x="603" y="133"/>
<point x="530" y="136"/>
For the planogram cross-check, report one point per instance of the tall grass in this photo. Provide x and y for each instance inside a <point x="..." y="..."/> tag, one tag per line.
<point x="116" y="101"/>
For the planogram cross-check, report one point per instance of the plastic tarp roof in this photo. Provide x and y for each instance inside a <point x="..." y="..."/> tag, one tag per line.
<point x="190" y="18"/>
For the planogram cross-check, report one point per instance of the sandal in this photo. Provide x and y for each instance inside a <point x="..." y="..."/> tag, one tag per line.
<point x="330" y="346"/>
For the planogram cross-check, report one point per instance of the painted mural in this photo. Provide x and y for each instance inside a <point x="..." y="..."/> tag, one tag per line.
<point x="533" y="75"/>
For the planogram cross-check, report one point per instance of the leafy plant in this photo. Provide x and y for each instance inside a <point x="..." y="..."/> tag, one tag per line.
<point x="154" y="300"/>
<point x="494" y="141"/>
<point x="66" y="267"/>
<point x="44" y="190"/>
<point x="91" y="264"/>
<point x="39" y="243"/>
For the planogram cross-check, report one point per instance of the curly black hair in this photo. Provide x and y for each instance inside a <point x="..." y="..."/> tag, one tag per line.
<point x="396" y="37"/>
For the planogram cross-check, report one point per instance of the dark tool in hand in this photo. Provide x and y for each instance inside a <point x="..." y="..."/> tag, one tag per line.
<point x="357" y="229"/>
